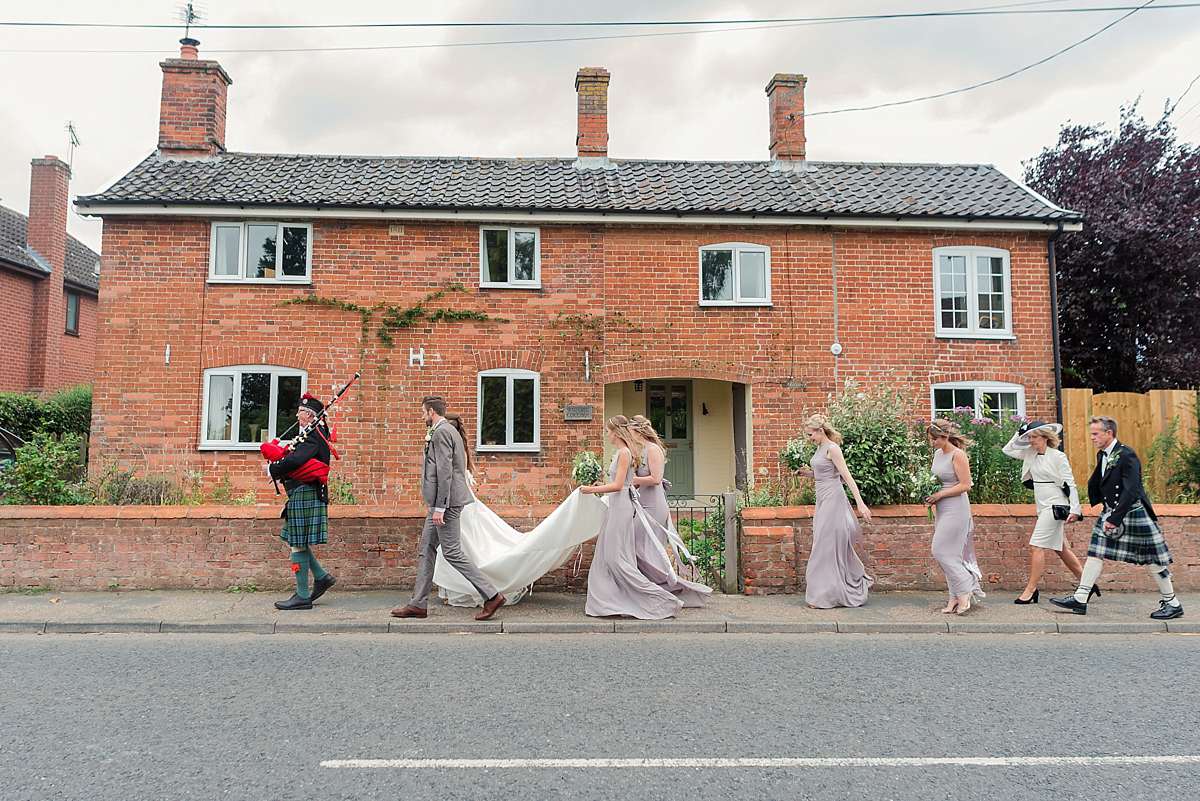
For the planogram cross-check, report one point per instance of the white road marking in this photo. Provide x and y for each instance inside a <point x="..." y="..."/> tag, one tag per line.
<point x="752" y="762"/>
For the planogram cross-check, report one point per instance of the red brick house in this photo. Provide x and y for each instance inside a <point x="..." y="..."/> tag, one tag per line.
<point x="542" y="295"/>
<point x="49" y="281"/>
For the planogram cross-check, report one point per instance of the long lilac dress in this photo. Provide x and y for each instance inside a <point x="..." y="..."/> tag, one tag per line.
<point x="653" y="498"/>
<point x="954" y="533"/>
<point x="630" y="574"/>
<point x="835" y="575"/>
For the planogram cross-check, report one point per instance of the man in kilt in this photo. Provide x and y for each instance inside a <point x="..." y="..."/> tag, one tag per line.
<point x="1126" y="530"/>
<point x="304" y="471"/>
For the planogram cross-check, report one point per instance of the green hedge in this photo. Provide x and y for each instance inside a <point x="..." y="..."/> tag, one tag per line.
<point x="68" y="411"/>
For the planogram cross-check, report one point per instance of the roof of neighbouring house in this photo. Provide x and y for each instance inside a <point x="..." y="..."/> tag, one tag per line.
<point x="817" y="189"/>
<point x="81" y="260"/>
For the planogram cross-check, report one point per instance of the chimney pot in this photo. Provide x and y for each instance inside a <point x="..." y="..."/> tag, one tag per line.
<point x="591" y="87"/>
<point x="785" y="94"/>
<point x="189" y="49"/>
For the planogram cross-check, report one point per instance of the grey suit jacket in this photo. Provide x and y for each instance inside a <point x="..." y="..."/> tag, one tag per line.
<point x="444" y="477"/>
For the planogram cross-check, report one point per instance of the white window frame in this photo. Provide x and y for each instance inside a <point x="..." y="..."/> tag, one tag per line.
<point x="980" y="388"/>
<point x="241" y="277"/>
<point x="486" y="283"/>
<point x="510" y="446"/>
<point x="236" y="371"/>
<point x="973" y="329"/>
<point x="738" y="248"/>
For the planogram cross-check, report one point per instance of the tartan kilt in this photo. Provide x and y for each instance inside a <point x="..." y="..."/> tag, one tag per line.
<point x="305" y="518"/>
<point x="1141" y="544"/>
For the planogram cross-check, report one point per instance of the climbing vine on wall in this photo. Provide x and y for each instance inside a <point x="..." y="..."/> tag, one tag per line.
<point x="392" y="317"/>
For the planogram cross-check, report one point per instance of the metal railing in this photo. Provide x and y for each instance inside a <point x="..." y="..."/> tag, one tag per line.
<point x="710" y="527"/>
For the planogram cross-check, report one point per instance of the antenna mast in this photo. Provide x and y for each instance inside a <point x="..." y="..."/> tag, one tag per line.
<point x="189" y="15"/>
<point x="74" y="143"/>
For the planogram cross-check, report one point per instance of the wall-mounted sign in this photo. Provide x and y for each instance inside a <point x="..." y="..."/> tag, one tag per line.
<point x="577" y="412"/>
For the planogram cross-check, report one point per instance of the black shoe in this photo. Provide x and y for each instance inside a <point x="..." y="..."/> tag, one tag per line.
<point x="295" y="602"/>
<point x="1167" y="611"/>
<point x="1070" y="604"/>
<point x="1033" y="599"/>
<point x="1093" y="591"/>
<point x="322" y="584"/>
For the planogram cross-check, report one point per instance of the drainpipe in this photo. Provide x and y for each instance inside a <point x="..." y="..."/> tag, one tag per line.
<point x="1054" y="310"/>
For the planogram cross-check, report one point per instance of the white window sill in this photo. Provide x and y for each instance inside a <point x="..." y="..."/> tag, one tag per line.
<point x="227" y="446"/>
<point x="537" y="285"/>
<point x="509" y="448"/>
<point x="306" y="281"/>
<point x="735" y="303"/>
<point x="974" y="335"/>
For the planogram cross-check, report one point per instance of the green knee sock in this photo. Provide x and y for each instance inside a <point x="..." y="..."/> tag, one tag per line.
<point x="317" y="571"/>
<point x="300" y="568"/>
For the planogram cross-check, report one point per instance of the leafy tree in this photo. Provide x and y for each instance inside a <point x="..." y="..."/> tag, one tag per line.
<point x="1129" y="281"/>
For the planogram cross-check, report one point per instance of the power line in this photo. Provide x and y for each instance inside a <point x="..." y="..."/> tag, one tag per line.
<point x="983" y="12"/>
<point x="1026" y="68"/>
<point x="1175" y="105"/>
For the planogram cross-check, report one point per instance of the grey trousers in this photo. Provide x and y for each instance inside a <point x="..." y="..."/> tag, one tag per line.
<point x="448" y="537"/>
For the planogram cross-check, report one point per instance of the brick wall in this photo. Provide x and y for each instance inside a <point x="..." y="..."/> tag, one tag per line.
<point x="627" y="294"/>
<point x="15" y="331"/>
<point x="776" y="543"/>
<point x="77" y="354"/>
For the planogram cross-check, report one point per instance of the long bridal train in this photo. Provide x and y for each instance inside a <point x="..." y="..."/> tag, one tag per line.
<point x="512" y="560"/>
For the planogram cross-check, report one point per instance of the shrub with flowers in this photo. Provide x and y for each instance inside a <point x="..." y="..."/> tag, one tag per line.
<point x="996" y="477"/>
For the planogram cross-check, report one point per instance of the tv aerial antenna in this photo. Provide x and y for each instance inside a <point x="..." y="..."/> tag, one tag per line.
<point x="189" y="14"/>
<point x="71" y="145"/>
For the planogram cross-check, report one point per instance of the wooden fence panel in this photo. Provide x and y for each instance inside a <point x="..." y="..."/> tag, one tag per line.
<point x="1077" y="408"/>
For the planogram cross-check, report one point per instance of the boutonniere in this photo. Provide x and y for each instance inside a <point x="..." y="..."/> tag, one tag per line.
<point x="1113" y="459"/>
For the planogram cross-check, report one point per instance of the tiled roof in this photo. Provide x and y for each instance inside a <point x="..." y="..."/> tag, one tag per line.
<point x="558" y="185"/>
<point x="81" y="260"/>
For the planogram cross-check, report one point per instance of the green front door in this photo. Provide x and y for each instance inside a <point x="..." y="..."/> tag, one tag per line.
<point x="670" y="410"/>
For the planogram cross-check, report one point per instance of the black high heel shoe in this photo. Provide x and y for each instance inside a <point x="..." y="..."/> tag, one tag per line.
<point x="1094" y="591"/>
<point x="1033" y="599"/>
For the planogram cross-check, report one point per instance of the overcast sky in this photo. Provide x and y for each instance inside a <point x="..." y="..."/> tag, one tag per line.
<point x="678" y="96"/>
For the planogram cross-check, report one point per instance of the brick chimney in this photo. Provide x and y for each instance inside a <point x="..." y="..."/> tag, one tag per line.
<point x="46" y="236"/>
<point x="785" y="94"/>
<point x="191" y="118"/>
<point x="591" y="85"/>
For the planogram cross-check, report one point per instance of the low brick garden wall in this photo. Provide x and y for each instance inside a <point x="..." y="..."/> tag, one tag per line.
<point x="215" y="547"/>
<point x="776" y="542"/>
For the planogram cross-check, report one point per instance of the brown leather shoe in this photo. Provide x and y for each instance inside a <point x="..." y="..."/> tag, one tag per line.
<point x="410" y="611"/>
<point x="490" y="607"/>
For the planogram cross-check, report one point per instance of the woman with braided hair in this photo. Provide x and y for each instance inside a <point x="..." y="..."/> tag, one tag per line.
<point x="954" y="533"/>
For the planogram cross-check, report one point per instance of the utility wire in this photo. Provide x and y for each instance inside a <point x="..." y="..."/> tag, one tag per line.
<point x="1175" y="105"/>
<point x="994" y="11"/>
<point x="989" y="82"/>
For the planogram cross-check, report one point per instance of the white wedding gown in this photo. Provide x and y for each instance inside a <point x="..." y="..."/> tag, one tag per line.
<point x="512" y="560"/>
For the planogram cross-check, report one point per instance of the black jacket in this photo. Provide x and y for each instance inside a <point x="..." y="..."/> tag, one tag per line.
<point x="1120" y="486"/>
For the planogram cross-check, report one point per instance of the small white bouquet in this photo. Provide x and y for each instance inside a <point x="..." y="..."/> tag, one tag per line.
<point x="586" y="469"/>
<point x="922" y="484"/>
<point x="796" y="453"/>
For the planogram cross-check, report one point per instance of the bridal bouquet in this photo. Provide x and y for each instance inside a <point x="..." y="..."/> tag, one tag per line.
<point x="796" y="453"/>
<point x="586" y="468"/>
<point x="922" y="484"/>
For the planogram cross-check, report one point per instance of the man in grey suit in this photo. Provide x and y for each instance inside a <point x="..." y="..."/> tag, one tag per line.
<point x="444" y="485"/>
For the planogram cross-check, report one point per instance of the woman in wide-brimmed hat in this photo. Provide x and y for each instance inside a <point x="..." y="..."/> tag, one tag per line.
<point x="1048" y="472"/>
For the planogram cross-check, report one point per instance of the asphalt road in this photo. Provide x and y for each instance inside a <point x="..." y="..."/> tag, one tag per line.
<point x="252" y="717"/>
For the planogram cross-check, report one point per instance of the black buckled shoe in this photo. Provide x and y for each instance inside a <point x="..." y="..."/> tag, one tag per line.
<point x="295" y="602"/>
<point x="1070" y="604"/>
<point x="322" y="584"/>
<point x="1167" y="611"/>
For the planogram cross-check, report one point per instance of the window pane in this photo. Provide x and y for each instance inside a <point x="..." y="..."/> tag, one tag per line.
<point x="295" y="251"/>
<point x="72" y="312"/>
<point x="287" y="399"/>
<point x="716" y="274"/>
<point x="226" y="251"/>
<point x="679" y="413"/>
<point x="998" y="405"/>
<point x="522" y="410"/>
<point x="658" y="409"/>
<point x="495" y="256"/>
<point x="752" y="266"/>
<point x="524" y="246"/>
<point x="943" y="401"/>
<point x="953" y="291"/>
<point x="260" y="250"/>
<point x="494" y="425"/>
<point x="255" y="407"/>
<point x="990" y="278"/>
<point x="964" y="399"/>
<point x="220" y="407"/>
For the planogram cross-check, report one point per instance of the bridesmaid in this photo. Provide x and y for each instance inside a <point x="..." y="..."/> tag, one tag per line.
<point x="835" y="575"/>
<point x="630" y="573"/>
<point x="954" y="532"/>
<point x="648" y="478"/>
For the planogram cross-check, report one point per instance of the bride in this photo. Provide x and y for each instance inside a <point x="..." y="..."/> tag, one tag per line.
<point x="513" y="560"/>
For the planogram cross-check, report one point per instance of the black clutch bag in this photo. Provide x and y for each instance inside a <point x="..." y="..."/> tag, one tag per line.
<point x="1060" y="512"/>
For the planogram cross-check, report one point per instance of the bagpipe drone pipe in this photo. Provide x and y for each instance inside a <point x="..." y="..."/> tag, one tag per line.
<point x="313" y="470"/>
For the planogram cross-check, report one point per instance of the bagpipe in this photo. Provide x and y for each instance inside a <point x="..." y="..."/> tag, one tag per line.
<point x="314" y="470"/>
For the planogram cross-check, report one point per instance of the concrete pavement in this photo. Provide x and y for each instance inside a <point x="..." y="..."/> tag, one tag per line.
<point x="175" y="611"/>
